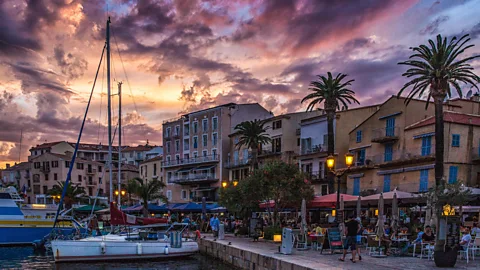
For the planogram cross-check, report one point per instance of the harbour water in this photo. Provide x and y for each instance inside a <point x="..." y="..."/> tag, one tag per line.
<point x="26" y="258"/>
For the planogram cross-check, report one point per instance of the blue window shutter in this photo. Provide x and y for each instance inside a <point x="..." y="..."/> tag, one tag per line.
<point x="388" y="154"/>
<point x="359" y="136"/>
<point x="452" y="176"/>
<point x="455" y="140"/>
<point x="423" y="181"/>
<point x="386" y="183"/>
<point x="390" y="127"/>
<point x="356" y="186"/>
<point x="426" y="146"/>
<point x="362" y="157"/>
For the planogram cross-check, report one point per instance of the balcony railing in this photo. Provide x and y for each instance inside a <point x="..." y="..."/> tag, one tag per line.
<point x="476" y="154"/>
<point x="91" y="171"/>
<point x="268" y="153"/>
<point x="91" y="183"/>
<point x="237" y="163"/>
<point x="404" y="155"/>
<point x="199" y="199"/>
<point x="193" y="178"/>
<point x="319" y="148"/>
<point x="383" y="135"/>
<point x="194" y="160"/>
<point x="316" y="176"/>
<point x="45" y="169"/>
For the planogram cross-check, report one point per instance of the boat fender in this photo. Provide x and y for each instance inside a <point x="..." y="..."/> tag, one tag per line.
<point x="139" y="249"/>
<point x="103" y="247"/>
<point x="166" y="250"/>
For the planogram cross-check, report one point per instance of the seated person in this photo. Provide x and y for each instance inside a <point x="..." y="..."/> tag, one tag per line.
<point x="466" y="238"/>
<point x="417" y="240"/>
<point x="475" y="229"/>
<point x="428" y="236"/>
<point x="387" y="229"/>
<point x="318" y="230"/>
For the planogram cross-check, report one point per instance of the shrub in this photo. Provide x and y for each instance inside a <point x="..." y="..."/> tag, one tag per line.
<point x="268" y="232"/>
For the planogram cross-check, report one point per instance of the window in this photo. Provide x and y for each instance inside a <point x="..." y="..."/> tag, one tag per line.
<point x="245" y="155"/>
<point x="168" y="147"/>
<point x="186" y="130"/>
<point x="195" y="127"/>
<point x="186" y="144"/>
<point x="204" y="153"/>
<point x="204" y="125"/>
<point x="177" y="158"/>
<point x="177" y="131"/>
<point x="388" y="154"/>
<point x="154" y="169"/>
<point x="90" y="180"/>
<point x="195" y="154"/>
<point x="390" y="127"/>
<point x="185" y="156"/>
<point x="79" y="166"/>
<point x="423" y="181"/>
<point x="453" y="173"/>
<point x="100" y="182"/>
<point x="214" y="138"/>
<point x="169" y="195"/>
<point x="426" y="145"/>
<point x="361" y="157"/>
<point x="168" y="159"/>
<point x="277" y="145"/>
<point x="55" y="164"/>
<point x="169" y="177"/>
<point x="141" y="170"/>
<point x="167" y="132"/>
<point x="55" y="177"/>
<point x="184" y="194"/>
<point x="67" y="164"/>
<point x="214" y="153"/>
<point x="235" y="141"/>
<point x="277" y="124"/>
<point x="386" y="183"/>
<point x="99" y="168"/>
<point x="45" y="189"/>
<point x="46" y="177"/>
<point x="214" y="123"/>
<point x="146" y="170"/>
<point x="195" y="142"/>
<point x="235" y="157"/>
<point x="36" y="165"/>
<point x="359" y="136"/>
<point x="298" y="141"/>
<point x="79" y="178"/>
<point x="204" y="140"/>
<point x="177" y="145"/>
<point x="356" y="186"/>
<point x="455" y="140"/>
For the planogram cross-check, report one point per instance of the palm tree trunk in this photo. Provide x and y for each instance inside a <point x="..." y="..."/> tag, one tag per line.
<point x="439" y="172"/>
<point x="255" y="158"/>
<point x="330" y="144"/>
<point x="145" y="208"/>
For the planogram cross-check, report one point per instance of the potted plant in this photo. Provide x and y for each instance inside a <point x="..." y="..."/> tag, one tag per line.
<point x="443" y="199"/>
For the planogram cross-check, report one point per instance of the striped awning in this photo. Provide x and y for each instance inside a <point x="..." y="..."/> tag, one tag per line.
<point x="430" y="134"/>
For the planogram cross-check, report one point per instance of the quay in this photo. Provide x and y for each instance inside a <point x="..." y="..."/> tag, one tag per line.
<point x="243" y="253"/>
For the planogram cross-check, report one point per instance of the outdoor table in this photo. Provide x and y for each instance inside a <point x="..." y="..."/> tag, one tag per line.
<point x="315" y="240"/>
<point x="399" y="243"/>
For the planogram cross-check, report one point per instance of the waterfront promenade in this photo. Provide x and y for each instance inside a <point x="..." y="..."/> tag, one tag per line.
<point x="246" y="254"/>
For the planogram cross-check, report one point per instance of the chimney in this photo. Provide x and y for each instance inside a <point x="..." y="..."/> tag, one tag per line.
<point x="8" y="165"/>
<point x="475" y="97"/>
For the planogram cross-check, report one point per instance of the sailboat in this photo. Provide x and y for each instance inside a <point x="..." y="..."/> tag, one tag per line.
<point x="139" y="237"/>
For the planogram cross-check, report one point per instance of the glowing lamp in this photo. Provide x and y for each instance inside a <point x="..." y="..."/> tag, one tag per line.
<point x="330" y="162"/>
<point x="235" y="183"/>
<point x="224" y="184"/>
<point x="277" y="238"/>
<point x="153" y="214"/>
<point x="123" y="192"/>
<point x="349" y="159"/>
<point x="448" y="210"/>
<point x="334" y="212"/>
<point x="116" y="192"/>
<point x="376" y="212"/>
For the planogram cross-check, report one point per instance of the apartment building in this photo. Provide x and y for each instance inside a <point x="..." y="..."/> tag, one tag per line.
<point x="156" y="151"/>
<point x="16" y="175"/>
<point x="134" y="155"/>
<point x="94" y="152"/>
<point x="195" y="147"/>
<point x="49" y="168"/>
<point x="394" y="148"/>
<point x="284" y="130"/>
<point x="127" y="173"/>
<point x="151" y="169"/>
<point x="313" y="144"/>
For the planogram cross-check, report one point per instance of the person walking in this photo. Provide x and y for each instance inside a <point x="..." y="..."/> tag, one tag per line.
<point x="359" y="238"/>
<point x="215" y="224"/>
<point x="351" y="228"/>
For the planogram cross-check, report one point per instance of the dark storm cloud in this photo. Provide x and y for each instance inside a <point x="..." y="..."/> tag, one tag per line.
<point x="71" y="65"/>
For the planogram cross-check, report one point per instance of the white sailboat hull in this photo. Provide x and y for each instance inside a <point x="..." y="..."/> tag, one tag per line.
<point x="92" y="250"/>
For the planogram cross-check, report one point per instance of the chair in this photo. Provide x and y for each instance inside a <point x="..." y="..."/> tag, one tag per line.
<point x="464" y="252"/>
<point x="475" y="247"/>
<point x="427" y="249"/>
<point x="301" y="240"/>
<point x="372" y="245"/>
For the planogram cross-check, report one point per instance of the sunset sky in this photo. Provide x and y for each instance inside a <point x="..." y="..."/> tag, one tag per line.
<point x="185" y="55"/>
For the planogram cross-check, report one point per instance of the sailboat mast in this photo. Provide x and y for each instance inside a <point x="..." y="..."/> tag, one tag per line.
<point x="109" y="111"/>
<point x="20" y="151"/>
<point x="119" y="143"/>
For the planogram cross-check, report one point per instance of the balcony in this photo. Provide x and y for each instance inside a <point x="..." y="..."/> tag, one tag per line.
<point x="404" y="157"/>
<point x="316" y="177"/>
<point x="229" y="164"/>
<point x="45" y="169"/>
<point x="385" y="135"/>
<point x="90" y="171"/>
<point x="265" y="153"/>
<point x="207" y="199"/>
<point x="92" y="183"/>
<point x="176" y="134"/>
<point x="319" y="148"/>
<point x="476" y="154"/>
<point x="298" y="132"/>
<point x="194" y="179"/>
<point x="194" y="160"/>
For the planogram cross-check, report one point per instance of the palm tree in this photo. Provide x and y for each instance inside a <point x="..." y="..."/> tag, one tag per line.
<point x="131" y="188"/>
<point x="332" y="92"/>
<point x="72" y="195"/>
<point x="149" y="190"/>
<point x="252" y="135"/>
<point x="435" y="69"/>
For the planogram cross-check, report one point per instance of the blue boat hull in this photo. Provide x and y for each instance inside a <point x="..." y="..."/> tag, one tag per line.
<point x="26" y="235"/>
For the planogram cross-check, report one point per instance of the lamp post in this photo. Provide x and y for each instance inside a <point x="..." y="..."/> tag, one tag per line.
<point x="331" y="167"/>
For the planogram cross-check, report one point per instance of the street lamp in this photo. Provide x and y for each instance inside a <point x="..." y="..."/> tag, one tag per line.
<point x="224" y="184"/>
<point x="235" y="183"/>
<point x="331" y="166"/>
<point x="123" y="192"/>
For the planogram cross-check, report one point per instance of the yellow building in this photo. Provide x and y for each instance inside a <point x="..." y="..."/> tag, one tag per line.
<point x="395" y="147"/>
